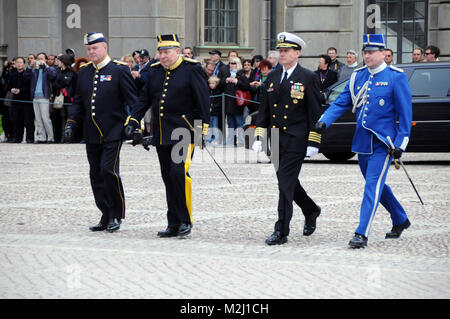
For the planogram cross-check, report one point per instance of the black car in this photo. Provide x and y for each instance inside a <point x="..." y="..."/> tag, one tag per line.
<point x="430" y="132"/>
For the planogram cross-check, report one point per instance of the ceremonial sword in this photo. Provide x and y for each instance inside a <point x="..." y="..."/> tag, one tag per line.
<point x="397" y="166"/>
<point x="193" y="130"/>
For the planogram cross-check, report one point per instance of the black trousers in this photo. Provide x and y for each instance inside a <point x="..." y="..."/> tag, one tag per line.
<point x="105" y="179"/>
<point x="22" y="116"/>
<point x="174" y="163"/>
<point x="292" y="154"/>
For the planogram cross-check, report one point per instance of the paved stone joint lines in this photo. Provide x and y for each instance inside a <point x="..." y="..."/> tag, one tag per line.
<point x="47" y="251"/>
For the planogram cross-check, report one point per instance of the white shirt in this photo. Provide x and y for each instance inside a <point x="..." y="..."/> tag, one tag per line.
<point x="289" y="72"/>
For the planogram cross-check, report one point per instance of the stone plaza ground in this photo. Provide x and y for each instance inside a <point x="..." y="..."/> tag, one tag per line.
<point x="47" y="250"/>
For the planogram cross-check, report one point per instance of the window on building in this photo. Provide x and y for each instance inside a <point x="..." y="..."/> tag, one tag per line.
<point x="221" y="21"/>
<point x="404" y="23"/>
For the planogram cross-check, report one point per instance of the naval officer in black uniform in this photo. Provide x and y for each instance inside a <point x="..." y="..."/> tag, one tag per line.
<point x="290" y="107"/>
<point x="104" y="88"/>
<point x="178" y="95"/>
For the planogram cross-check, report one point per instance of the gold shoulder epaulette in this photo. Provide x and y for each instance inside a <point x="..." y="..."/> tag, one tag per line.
<point x="191" y="60"/>
<point x="119" y="62"/>
<point x="395" y="68"/>
<point x="85" y="64"/>
<point x="155" y="64"/>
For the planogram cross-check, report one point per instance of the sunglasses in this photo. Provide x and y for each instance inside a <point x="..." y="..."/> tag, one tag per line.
<point x="233" y="63"/>
<point x="428" y="53"/>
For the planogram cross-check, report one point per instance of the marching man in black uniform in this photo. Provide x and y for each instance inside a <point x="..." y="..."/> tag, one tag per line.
<point x="291" y="106"/>
<point x="178" y="94"/>
<point x="104" y="88"/>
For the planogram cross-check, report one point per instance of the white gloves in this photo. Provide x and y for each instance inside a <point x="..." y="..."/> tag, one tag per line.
<point x="311" y="151"/>
<point x="257" y="146"/>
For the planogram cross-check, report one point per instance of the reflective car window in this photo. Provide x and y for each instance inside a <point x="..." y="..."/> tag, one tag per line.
<point x="430" y="82"/>
<point x="336" y="91"/>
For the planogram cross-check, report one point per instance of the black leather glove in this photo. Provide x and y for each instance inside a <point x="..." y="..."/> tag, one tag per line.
<point x="147" y="141"/>
<point x="129" y="129"/>
<point x="68" y="134"/>
<point x="396" y="153"/>
<point x="137" y="137"/>
<point x="320" y="127"/>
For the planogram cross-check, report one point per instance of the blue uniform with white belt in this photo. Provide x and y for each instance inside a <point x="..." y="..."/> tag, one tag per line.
<point x="381" y="99"/>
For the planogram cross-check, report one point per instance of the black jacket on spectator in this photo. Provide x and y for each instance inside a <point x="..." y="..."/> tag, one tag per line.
<point x="331" y="77"/>
<point x="22" y="114"/>
<point x="215" y="102"/>
<point x="20" y="80"/>
<point x="65" y="79"/>
<point x="230" y="89"/>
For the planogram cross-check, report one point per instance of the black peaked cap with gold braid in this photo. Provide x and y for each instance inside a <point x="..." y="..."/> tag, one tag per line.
<point x="167" y="41"/>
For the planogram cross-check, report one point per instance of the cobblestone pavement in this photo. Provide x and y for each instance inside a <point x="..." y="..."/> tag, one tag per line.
<point x="47" y="251"/>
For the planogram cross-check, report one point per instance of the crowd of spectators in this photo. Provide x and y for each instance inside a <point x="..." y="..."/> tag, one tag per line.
<point x="36" y="92"/>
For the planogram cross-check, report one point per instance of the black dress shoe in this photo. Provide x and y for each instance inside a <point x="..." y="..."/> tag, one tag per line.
<point x="99" y="227"/>
<point x="169" y="232"/>
<point x="310" y="223"/>
<point x="113" y="225"/>
<point x="276" y="239"/>
<point x="397" y="230"/>
<point x="184" y="229"/>
<point x="358" y="241"/>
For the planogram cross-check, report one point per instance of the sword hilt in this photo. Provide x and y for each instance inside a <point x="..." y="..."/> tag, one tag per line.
<point x="397" y="165"/>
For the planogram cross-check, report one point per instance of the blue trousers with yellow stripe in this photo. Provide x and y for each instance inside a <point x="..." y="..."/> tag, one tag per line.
<point x="374" y="168"/>
<point x="174" y="164"/>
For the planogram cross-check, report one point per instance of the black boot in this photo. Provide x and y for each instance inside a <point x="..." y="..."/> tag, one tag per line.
<point x="276" y="239"/>
<point x="102" y="224"/>
<point x="397" y="230"/>
<point x="113" y="225"/>
<point x="169" y="232"/>
<point x="184" y="229"/>
<point x="310" y="223"/>
<point x="358" y="241"/>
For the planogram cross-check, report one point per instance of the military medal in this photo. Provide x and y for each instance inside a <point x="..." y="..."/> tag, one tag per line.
<point x="381" y="102"/>
<point x="297" y="91"/>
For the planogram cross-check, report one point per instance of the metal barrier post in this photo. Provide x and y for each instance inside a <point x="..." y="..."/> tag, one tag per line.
<point x="224" y="134"/>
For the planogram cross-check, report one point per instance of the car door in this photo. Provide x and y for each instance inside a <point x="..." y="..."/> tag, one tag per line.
<point x="430" y="89"/>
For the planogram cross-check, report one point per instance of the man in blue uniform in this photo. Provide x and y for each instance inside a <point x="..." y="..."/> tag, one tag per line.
<point x="291" y="106"/>
<point x="178" y="94"/>
<point x="104" y="89"/>
<point x="381" y="97"/>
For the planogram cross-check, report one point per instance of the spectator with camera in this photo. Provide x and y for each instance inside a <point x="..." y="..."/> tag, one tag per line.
<point x="41" y="77"/>
<point x="22" y="114"/>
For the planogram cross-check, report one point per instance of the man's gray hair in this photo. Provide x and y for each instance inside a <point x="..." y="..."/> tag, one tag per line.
<point x="275" y="53"/>
<point x="353" y="52"/>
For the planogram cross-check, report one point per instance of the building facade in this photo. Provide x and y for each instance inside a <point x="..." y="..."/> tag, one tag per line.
<point x="247" y="26"/>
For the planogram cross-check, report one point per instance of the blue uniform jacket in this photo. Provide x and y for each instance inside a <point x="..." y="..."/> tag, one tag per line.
<point x="388" y="100"/>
